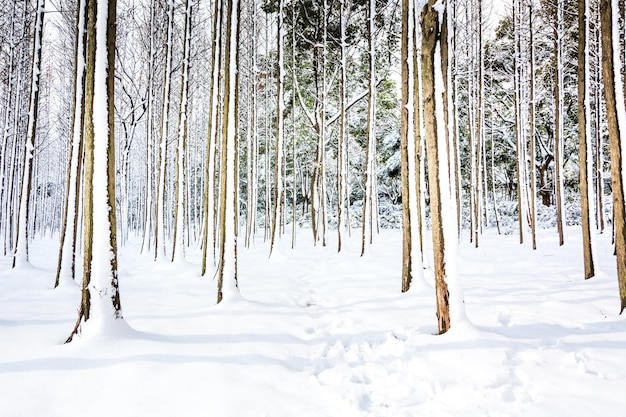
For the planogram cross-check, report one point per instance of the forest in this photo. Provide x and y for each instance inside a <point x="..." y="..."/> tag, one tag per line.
<point x="322" y="207"/>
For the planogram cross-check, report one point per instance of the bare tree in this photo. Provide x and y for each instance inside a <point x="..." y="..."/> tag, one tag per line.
<point x="616" y="115"/>
<point x="100" y="294"/>
<point x="67" y="246"/>
<point x="584" y="138"/>
<point x="227" y="270"/>
<point x="21" y="245"/>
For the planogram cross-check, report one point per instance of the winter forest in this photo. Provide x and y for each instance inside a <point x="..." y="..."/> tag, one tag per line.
<point x="319" y="207"/>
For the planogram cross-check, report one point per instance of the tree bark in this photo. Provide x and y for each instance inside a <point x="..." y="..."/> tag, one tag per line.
<point x="616" y="116"/>
<point x="100" y="293"/>
<point x="584" y="138"/>
<point x="431" y="37"/>
<point x="21" y="245"/>
<point x="227" y="270"/>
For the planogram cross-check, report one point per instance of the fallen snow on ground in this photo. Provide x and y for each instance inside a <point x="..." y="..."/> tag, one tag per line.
<point x="320" y="334"/>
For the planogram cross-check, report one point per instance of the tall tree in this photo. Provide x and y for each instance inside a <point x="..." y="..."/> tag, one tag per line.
<point x="159" y="230"/>
<point x="559" y="138"/>
<point x="584" y="138"/>
<point x="227" y="270"/>
<point x="209" y="215"/>
<point x="181" y="149"/>
<point x="531" y="129"/>
<point x="342" y="171"/>
<point x="407" y="143"/>
<point x="21" y="246"/>
<point x="369" y="189"/>
<point x="67" y="246"/>
<point x="520" y="141"/>
<point x="616" y="116"/>
<point x="280" y="124"/>
<point x="100" y="302"/>
<point x="434" y="69"/>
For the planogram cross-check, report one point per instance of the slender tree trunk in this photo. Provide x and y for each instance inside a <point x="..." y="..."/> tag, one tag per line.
<point x="227" y="270"/>
<point x="479" y="132"/>
<point x="437" y="160"/>
<point x="181" y="149"/>
<point x="406" y="136"/>
<point x="599" y="175"/>
<point x="100" y="293"/>
<point x="616" y="116"/>
<point x="341" y="155"/>
<point x="252" y="143"/>
<point x="520" y="148"/>
<point x="456" y="134"/>
<point x="370" y="151"/>
<point x="280" y="125"/>
<point x="150" y="204"/>
<point x="7" y="147"/>
<point x="21" y="245"/>
<point x="67" y="246"/>
<point x="159" y="232"/>
<point x="584" y="138"/>
<point x="294" y="191"/>
<point x="209" y="215"/>
<point x="533" y="145"/>
<point x="559" y="137"/>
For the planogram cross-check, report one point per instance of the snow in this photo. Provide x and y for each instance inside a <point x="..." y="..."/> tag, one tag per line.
<point x="320" y="333"/>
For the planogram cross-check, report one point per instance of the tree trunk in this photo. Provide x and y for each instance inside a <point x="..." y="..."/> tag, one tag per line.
<point x="21" y="245"/>
<point x="227" y="271"/>
<point x="100" y="294"/>
<point x="616" y="115"/>
<point x="406" y="135"/>
<point x="559" y="137"/>
<point x="209" y="215"/>
<point x="280" y="126"/>
<point x="181" y="149"/>
<point x="159" y="231"/>
<point x="370" y="151"/>
<point x="584" y="138"/>
<point x="342" y="202"/>
<point x="437" y="161"/>
<point x="67" y="245"/>
<point x="533" y="145"/>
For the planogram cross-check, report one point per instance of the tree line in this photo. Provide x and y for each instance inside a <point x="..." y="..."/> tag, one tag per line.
<point x="187" y="122"/>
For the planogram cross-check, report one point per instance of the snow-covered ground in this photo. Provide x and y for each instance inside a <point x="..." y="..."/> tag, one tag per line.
<point x="321" y="334"/>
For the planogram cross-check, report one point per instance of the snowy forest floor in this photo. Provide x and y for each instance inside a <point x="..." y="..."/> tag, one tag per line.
<point x="322" y="334"/>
